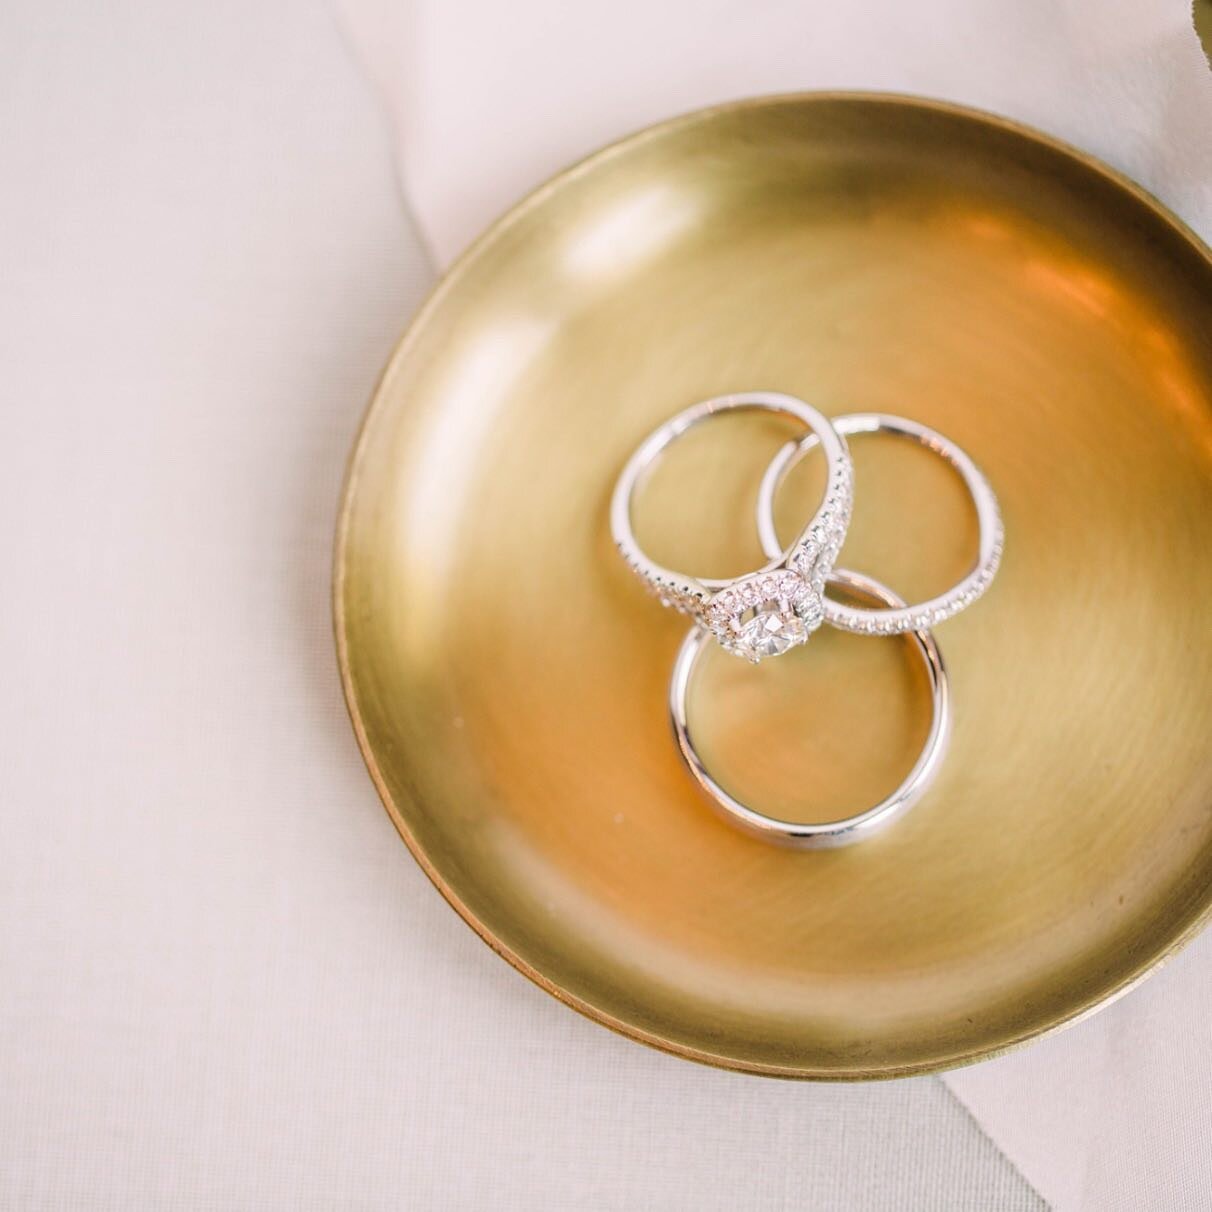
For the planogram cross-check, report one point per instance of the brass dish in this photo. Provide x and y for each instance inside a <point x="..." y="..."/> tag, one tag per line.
<point x="507" y="678"/>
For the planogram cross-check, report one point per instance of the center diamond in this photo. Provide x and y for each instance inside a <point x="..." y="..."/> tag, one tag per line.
<point x="770" y="632"/>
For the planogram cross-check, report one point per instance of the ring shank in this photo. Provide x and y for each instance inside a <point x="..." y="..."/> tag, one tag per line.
<point x="691" y="594"/>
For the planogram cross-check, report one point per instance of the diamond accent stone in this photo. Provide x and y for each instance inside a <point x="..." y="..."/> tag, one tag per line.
<point x="770" y="633"/>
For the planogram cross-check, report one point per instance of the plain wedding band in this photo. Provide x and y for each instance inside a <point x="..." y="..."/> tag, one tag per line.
<point x="850" y="829"/>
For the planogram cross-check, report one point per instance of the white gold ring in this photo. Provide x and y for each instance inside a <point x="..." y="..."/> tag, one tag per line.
<point x="776" y="608"/>
<point x="891" y="621"/>
<point x="816" y="836"/>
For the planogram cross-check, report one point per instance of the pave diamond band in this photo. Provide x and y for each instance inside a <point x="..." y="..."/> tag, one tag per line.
<point x="892" y="621"/>
<point x="775" y="609"/>
<point x="816" y="836"/>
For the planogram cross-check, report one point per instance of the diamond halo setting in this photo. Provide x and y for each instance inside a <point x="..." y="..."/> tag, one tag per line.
<point x="765" y="615"/>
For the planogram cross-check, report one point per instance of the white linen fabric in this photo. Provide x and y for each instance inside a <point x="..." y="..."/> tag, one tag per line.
<point x="487" y="100"/>
<point x="224" y="984"/>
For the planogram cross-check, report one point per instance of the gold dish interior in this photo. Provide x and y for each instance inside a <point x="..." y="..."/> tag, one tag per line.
<point x="507" y="677"/>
